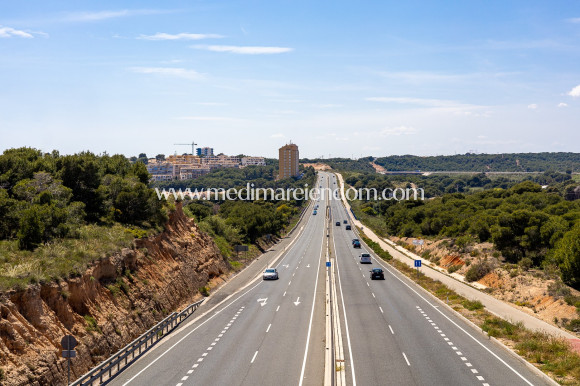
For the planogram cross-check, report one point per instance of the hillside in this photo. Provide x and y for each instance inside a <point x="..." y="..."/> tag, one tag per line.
<point x="516" y="162"/>
<point x="115" y="300"/>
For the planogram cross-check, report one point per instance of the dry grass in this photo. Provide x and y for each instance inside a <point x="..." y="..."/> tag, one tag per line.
<point x="61" y="258"/>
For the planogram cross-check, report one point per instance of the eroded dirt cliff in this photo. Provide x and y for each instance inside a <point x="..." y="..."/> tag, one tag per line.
<point x="114" y="301"/>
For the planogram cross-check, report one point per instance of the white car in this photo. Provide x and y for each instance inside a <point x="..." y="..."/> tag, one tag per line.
<point x="365" y="258"/>
<point x="270" y="274"/>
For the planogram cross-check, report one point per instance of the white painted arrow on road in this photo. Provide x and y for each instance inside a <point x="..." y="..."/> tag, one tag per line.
<point x="263" y="301"/>
<point x="297" y="302"/>
<point x="308" y="266"/>
<point x="285" y="266"/>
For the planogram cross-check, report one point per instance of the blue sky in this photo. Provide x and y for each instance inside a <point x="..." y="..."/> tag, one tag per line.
<point x="339" y="78"/>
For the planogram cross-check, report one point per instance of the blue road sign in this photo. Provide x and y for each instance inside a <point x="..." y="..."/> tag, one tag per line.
<point x="328" y="263"/>
<point x="417" y="263"/>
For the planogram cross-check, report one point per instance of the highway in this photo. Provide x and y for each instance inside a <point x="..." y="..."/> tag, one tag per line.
<point x="273" y="332"/>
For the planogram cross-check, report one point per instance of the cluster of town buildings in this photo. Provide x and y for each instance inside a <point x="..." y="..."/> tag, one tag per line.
<point x="189" y="166"/>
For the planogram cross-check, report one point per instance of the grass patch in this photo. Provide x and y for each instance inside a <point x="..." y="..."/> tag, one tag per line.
<point x="61" y="258"/>
<point x="92" y="325"/>
<point x="472" y="305"/>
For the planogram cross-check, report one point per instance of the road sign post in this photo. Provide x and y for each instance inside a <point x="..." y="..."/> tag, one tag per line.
<point x="418" y="265"/>
<point x="68" y="343"/>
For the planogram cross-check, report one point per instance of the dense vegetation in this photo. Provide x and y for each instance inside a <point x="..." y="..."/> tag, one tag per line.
<point x="523" y="222"/>
<point x="346" y="164"/>
<point x="438" y="184"/>
<point x="48" y="196"/>
<point x="517" y="162"/>
<point x="237" y="222"/>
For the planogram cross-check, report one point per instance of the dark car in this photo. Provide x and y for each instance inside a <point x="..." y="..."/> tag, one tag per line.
<point x="377" y="274"/>
<point x="353" y="240"/>
<point x="348" y="227"/>
<point x="338" y="223"/>
<point x="344" y="222"/>
<point x="356" y="244"/>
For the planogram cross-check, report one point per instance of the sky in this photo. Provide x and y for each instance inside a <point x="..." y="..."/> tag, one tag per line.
<point x="338" y="78"/>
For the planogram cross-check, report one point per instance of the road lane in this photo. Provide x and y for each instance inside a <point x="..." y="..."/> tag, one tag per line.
<point x="438" y="347"/>
<point x="260" y="337"/>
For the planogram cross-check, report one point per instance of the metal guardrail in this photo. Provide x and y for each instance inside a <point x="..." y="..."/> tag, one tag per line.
<point x="110" y="367"/>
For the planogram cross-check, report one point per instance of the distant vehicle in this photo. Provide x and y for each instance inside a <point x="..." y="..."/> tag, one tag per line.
<point x="338" y="223"/>
<point x="347" y="227"/>
<point x="314" y="213"/>
<point x="270" y="274"/>
<point x="355" y="240"/>
<point x="345" y="222"/>
<point x="377" y="274"/>
<point x="356" y="244"/>
<point x="365" y="258"/>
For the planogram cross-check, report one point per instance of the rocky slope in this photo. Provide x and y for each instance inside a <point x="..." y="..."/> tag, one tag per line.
<point x="114" y="301"/>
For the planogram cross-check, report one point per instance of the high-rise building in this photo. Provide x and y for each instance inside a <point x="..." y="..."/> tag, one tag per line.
<point x="204" y="151"/>
<point x="288" y="161"/>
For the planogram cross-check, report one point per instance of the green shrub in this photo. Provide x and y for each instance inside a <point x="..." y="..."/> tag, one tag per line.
<point x="204" y="291"/>
<point x="472" y="305"/>
<point x="573" y="325"/>
<point x="453" y="268"/>
<point x="525" y="263"/>
<point x="477" y="271"/>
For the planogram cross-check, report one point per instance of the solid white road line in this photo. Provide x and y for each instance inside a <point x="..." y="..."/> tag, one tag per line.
<point x="406" y="360"/>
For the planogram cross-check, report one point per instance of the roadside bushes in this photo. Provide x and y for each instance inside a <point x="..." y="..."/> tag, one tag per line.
<point x="377" y="249"/>
<point x="478" y="271"/>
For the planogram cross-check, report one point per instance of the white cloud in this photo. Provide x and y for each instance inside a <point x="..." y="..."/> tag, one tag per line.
<point x="278" y="135"/>
<point x="246" y="50"/>
<point x="574" y="20"/>
<point x="416" y="101"/>
<point x="481" y="137"/>
<point x="179" y="36"/>
<point x="400" y="130"/>
<point x="104" y="15"/>
<point x="438" y="105"/>
<point x="7" y="32"/>
<point x="562" y="104"/>
<point x="171" y="71"/>
<point x="575" y="92"/>
<point x="532" y="106"/>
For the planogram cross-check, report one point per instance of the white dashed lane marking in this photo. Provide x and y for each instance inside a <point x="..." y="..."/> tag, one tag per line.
<point x="446" y="339"/>
<point x="200" y="359"/>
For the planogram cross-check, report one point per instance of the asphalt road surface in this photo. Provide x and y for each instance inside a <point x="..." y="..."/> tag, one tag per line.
<point x="272" y="332"/>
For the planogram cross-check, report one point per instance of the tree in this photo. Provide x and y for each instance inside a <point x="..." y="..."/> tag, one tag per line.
<point x="31" y="229"/>
<point x="567" y="254"/>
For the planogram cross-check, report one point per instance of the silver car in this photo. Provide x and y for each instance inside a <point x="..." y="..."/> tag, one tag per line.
<point x="270" y="274"/>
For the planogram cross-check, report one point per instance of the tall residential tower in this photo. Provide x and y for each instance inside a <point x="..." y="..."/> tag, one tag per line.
<point x="288" y="161"/>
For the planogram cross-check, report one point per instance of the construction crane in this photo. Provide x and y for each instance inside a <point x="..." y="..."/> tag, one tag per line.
<point x="192" y="144"/>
